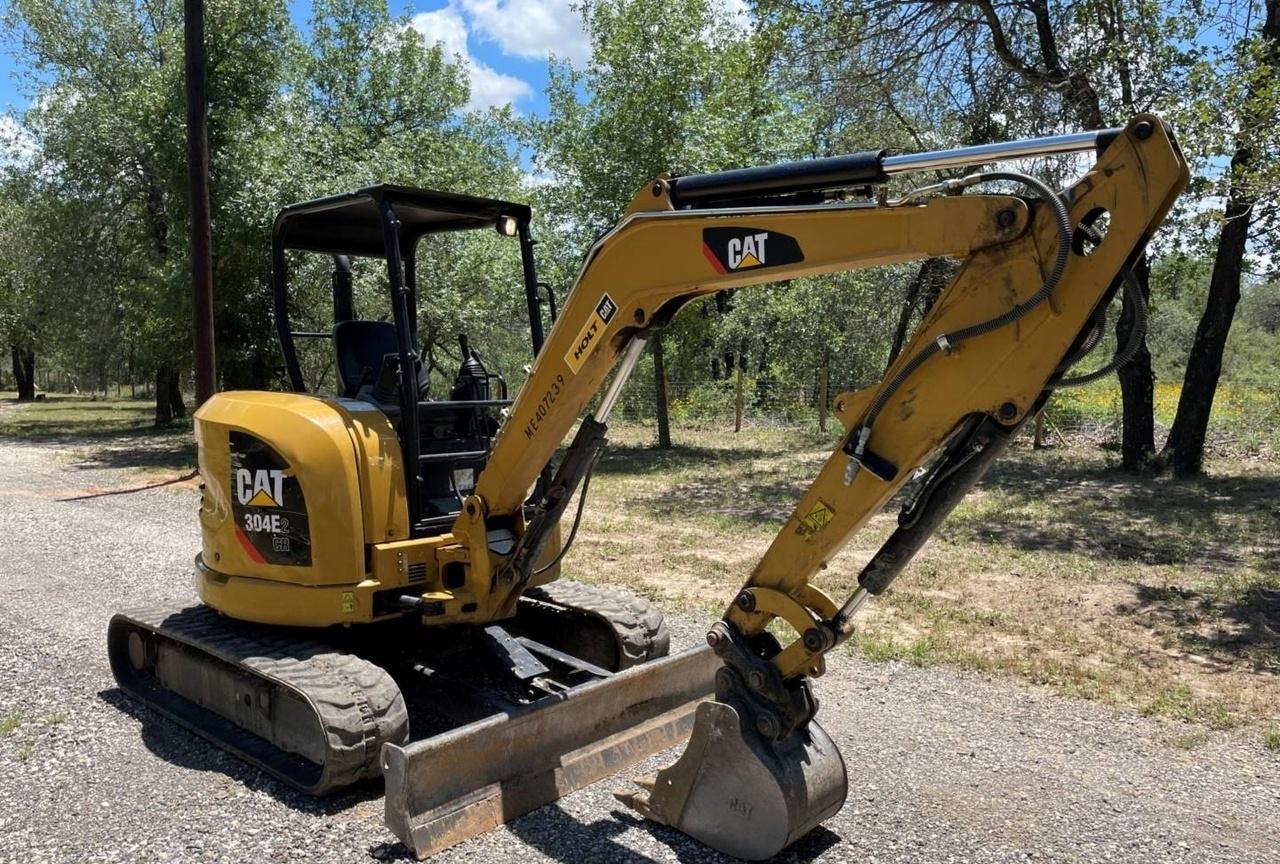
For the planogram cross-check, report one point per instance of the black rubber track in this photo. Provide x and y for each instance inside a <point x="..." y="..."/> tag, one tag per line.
<point x="357" y="705"/>
<point x="638" y="628"/>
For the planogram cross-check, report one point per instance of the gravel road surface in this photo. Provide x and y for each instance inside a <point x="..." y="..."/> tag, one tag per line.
<point x="944" y="766"/>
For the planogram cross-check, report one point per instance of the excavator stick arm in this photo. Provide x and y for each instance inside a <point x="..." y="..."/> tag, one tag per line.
<point x="981" y="362"/>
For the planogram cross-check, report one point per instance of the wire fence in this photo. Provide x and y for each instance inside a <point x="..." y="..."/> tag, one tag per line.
<point x="1245" y="421"/>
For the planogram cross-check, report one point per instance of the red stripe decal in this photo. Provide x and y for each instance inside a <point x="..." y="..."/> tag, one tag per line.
<point x="249" y="547"/>
<point x="711" y="256"/>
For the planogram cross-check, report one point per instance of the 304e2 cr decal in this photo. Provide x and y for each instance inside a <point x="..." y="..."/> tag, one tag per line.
<point x="730" y="250"/>
<point x="267" y="504"/>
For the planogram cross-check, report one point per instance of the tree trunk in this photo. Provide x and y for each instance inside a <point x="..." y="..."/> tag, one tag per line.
<point x="24" y="372"/>
<point x="175" y="395"/>
<point x="824" y="387"/>
<point x="931" y="278"/>
<point x="168" y="396"/>
<point x="660" y="395"/>
<point x="1137" y="388"/>
<point x="164" y="408"/>
<point x="1185" y="448"/>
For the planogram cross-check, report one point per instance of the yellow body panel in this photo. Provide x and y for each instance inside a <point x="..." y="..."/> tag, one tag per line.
<point x="382" y="496"/>
<point x="313" y="438"/>
<point x="345" y="456"/>
<point x="346" y="459"/>
<point x="268" y="601"/>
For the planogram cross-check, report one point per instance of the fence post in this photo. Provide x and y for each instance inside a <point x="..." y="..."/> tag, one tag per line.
<point x="737" y="402"/>
<point x="660" y="393"/>
<point x="824" y="381"/>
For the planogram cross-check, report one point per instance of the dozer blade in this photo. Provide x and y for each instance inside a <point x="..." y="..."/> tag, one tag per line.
<point x="743" y="795"/>
<point x="445" y="789"/>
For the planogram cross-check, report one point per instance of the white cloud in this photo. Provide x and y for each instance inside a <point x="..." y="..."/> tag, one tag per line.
<point x="489" y="87"/>
<point x="538" y="28"/>
<point x="531" y="28"/>
<point x="536" y="179"/>
<point x="17" y="144"/>
<point x="527" y="29"/>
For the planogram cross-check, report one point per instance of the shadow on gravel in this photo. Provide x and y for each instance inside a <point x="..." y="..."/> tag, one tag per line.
<point x="559" y="835"/>
<point x="178" y="746"/>
<point x="163" y="450"/>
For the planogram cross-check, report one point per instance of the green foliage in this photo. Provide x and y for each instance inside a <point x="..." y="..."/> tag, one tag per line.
<point x="98" y="275"/>
<point x="1179" y="702"/>
<point x="1271" y="737"/>
<point x="93" y="257"/>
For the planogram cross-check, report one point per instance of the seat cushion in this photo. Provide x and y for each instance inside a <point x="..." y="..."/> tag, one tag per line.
<point x="360" y="347"/>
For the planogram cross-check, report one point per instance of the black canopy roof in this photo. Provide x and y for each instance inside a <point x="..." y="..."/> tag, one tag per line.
<point x="351" y="224"/>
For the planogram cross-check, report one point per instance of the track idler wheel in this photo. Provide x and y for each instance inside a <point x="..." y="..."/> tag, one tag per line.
<point x="740" y="793"/>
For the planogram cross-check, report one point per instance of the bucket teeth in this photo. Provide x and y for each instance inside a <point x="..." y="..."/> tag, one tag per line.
<point x="637" y="801"/>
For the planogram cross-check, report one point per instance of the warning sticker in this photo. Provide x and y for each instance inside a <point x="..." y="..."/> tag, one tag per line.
<point x="267" y="504"/>
<point x="589" y="336"/>
<point x="816" y="519"/>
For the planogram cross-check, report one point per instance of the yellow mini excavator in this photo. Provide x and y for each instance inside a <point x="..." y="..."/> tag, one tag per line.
<point x="431" y="526"/>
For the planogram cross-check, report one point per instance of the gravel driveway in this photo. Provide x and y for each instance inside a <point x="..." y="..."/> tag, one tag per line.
<point x="944" y="766"/>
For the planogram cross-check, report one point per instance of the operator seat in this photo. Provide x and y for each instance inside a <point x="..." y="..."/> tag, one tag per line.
<point x="360" y="347"/>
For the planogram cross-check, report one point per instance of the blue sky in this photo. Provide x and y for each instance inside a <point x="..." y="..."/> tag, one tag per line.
<point x="505" y="44"/>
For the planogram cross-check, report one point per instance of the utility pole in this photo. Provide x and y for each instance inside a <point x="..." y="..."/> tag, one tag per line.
<point x="198" y="184"/>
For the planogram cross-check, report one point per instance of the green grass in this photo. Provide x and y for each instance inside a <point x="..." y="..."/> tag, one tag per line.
<point x="1179" y="702"/>
<point x="66" y="416"/>
<point x="1149" y="593"/>
<point x="883" y="648"/>
<point x="116" y="433"/>
<point x="1271" y="737"/>
<point x="9" y="723"/>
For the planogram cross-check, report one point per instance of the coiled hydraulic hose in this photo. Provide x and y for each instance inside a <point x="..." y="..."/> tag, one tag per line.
<point x="948" y="341"/>
<point x="1137" y="307"/>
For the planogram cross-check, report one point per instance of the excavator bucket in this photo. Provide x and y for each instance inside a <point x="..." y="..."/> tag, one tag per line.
<point x="445" y="789"/>
<point x="741" y="794"/>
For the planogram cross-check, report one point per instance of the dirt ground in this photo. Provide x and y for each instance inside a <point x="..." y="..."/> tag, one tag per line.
<point x="1158" y="595"/>
<point x="951" y="759"/>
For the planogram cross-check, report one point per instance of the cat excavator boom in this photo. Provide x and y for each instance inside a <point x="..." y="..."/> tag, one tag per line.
<point x="1039" y="269"/>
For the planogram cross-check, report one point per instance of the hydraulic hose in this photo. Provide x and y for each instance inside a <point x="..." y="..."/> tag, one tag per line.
<point x="1137" y="307"/>
<point x="573" y="532"/>
<point x="948" y="341"/>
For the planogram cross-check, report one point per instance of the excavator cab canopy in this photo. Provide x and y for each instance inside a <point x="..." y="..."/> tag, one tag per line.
<point x="379" y="361"/>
